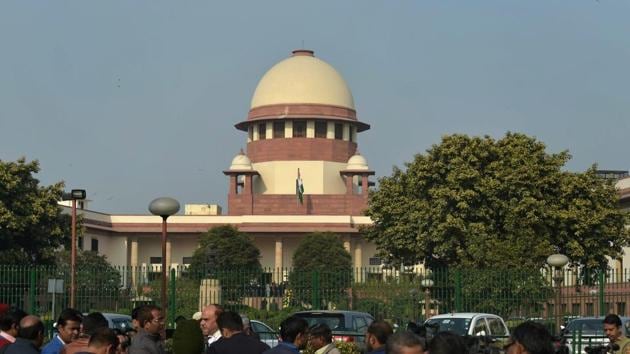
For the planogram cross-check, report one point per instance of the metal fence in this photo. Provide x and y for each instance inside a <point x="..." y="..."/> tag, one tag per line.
<point x="271" y="294"/>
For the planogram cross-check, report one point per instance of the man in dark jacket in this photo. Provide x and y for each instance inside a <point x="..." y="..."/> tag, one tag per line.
<point x="233" y="340"/>
<point x="150" y="325"/>
<point x="9" y="326"/>
<point x="30" y="337"/>
<point x="376" y="337"/>
<point x="294" y="334"/>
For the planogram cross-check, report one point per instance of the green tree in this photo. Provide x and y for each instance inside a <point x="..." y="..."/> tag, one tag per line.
<point x="98" y="282"/>
<point x="322" y="270"/>
<point x="32" y="226"/>
<point x="480" y="202"/>
<point x="229" y="255"/>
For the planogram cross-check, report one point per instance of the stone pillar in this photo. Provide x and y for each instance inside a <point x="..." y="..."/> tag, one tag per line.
<point x="346" y="244"/>
<point x="233" y="185"/>
<point x="330" y="130"/>
<point x="209" y="292"/>
<point x="359" y="271"/>
<point x="133" y="261"/>
<point x="358" y="253"/>
<point x="349" y="186"/>
<point x="248" y="188"/>
<point x="364" y="185"/>
<point x="168" y="256"/>
<point x="277" y="272"/>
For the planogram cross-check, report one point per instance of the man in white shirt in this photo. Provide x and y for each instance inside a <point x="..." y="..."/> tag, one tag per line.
<point x="209" y="326"/>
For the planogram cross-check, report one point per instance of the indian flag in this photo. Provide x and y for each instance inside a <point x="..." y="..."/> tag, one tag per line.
<point x="299" y="188"/>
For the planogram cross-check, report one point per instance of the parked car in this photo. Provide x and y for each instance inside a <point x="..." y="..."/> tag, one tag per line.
<point x="346" y="326"/>
<point x="490" y="328"/>
<point x="119" y="322"/>
<point x="584" y="332"/>
<point x="266" y="334"/>
<point x="470" y="323"/>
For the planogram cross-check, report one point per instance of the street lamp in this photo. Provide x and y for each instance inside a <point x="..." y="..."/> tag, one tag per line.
<point x="73" y="195"/>
<point x="427" y="284"/>
<point x="164" y="207"/>
<point x="557" y="261"/>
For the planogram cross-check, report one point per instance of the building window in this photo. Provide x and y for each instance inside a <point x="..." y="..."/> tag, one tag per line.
<point x="621" y="308"/>
<point x="278" y="130"/>
<point x="575" y="309"/>
<point x="155" y="260"/>
<point x="339" y="131"/>
<point x="80" y="242"/>
<point x="320" y="129"/>
<point x="250" y="132"/>
<point x="262" y="131"/>
<point x="375" y="261"/>
<point x="590" y="309"/>
<point x="299" y="129"/>
<point x="352" y="132"/>
<point x="94" y="245"/>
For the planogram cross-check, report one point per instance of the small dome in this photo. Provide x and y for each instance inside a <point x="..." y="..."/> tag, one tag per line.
<point x="302" y="79"/>
<point x="241" y="162"/>
<point x="357" y="162"/>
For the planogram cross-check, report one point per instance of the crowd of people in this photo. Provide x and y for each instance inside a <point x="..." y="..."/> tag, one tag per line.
<point x="218" y="331"/>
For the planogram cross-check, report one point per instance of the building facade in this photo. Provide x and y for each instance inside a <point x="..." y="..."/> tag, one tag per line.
<point x="302" y="122"/>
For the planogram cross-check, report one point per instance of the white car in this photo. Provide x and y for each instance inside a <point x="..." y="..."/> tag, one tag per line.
<point x="470" y="323"/>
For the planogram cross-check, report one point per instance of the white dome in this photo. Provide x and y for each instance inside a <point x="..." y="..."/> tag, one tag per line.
<point x="357" y="162"/>
<point x="302" y="79"/>
<point x="241" y="162"/>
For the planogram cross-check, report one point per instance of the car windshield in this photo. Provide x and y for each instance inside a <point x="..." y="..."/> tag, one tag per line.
<point x="457" y="325"/>
<point x="335" y="322"/>
<point x="121" y="324"/>
<point x="592" y="326"/>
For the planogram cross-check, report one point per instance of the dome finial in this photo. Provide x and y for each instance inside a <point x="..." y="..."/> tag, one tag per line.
<point x="303" y="52"/>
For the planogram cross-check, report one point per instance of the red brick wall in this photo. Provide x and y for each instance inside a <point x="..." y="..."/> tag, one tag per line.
<point x="296" y="149"/>
<point x="280" y="110"/>
<point x="286" y="204"/>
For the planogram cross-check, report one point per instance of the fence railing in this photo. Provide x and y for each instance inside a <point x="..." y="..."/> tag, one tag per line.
<point x="270" y="294"/>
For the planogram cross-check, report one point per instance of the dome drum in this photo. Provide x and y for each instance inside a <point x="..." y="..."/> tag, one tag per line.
<point x="301" y="149"/>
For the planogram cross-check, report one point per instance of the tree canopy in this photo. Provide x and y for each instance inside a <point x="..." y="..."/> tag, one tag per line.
<point x="225" y="248"/>
<point x="32" y="226"/>
<point x="230" y="256"/>
<point x="320" y="263"/>
<point x="481" y="202"/>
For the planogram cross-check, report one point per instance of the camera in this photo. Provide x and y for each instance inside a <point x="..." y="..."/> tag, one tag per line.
<point x="602" y="349"/>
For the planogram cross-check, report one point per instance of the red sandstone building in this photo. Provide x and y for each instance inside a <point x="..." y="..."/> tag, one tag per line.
<point x="302" y="117"/>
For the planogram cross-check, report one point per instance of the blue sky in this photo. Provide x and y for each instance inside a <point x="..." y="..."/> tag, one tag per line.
<point x="137" y="99"/>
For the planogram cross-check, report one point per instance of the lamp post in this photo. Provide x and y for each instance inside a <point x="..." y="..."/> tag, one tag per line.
<point x="557" y="261"/>
<point x="164" y="207"/>
<point x="73" y="195"/>
<point x="427" y="284"/>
